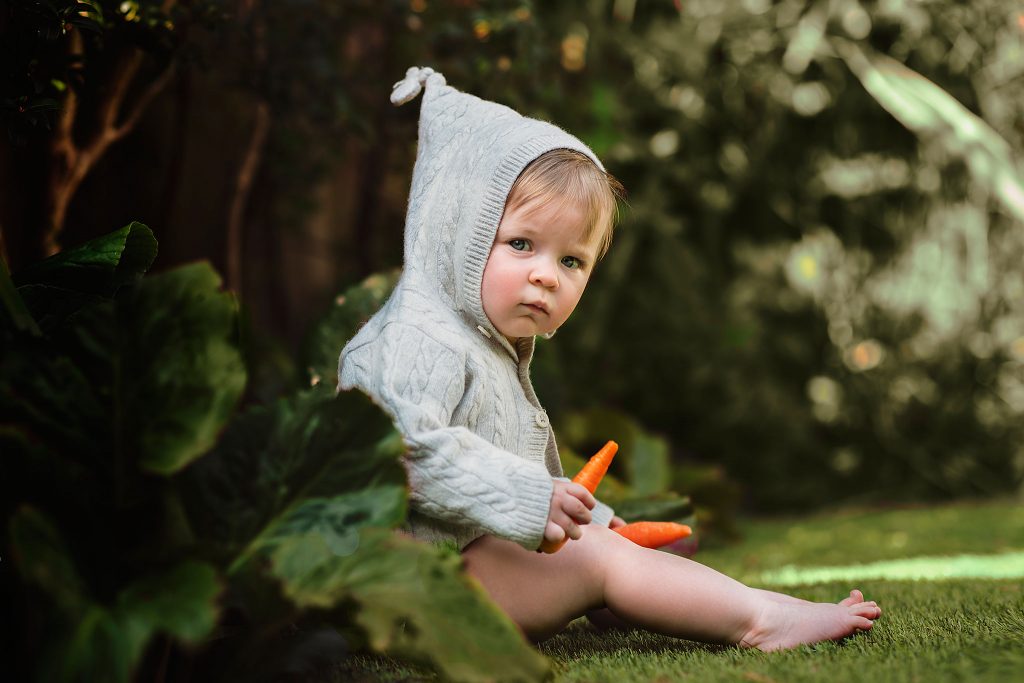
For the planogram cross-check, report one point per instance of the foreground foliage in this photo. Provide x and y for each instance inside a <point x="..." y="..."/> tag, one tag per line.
<point x="157" y="531"/>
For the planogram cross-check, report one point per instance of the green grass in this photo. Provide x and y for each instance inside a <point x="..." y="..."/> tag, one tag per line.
<point x="950" y="630"/>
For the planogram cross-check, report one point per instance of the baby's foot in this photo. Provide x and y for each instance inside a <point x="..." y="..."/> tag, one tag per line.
<point x="783" y="625"/>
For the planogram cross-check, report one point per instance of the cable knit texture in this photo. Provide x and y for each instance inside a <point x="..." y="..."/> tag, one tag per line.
<point x="481" y="453"/>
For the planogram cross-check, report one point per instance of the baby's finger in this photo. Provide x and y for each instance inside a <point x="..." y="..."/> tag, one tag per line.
<point x="585" y="496"/>
<point x="572" y="530"/>
<point x="553" y="532"/>
<point x="579" y="512"/>
<point x="572" y="510"/>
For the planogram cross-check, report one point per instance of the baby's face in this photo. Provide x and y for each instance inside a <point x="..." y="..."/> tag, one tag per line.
<point x="537" y="270"/>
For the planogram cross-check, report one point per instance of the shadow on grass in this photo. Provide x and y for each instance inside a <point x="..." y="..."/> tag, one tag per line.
<point x="581" y="640"/>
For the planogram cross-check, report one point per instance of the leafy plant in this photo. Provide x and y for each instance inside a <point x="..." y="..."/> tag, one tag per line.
<point x="144" y="515"/>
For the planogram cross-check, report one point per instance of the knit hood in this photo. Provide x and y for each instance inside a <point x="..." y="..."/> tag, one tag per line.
<point x="470" y="152"/>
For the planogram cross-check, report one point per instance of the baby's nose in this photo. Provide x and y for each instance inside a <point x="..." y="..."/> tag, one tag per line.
<point x="545" y="277"/>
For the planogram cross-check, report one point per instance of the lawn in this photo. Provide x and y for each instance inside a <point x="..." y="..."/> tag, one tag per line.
<point x="934" y="628"/>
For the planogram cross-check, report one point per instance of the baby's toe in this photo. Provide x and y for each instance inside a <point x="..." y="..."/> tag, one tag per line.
<point x="855" y="597"/>
<point x="868" y="610"/>
<point x="862" y="623"/>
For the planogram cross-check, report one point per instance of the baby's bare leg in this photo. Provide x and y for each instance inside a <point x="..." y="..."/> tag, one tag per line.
<point x="541" y="593"/>
<point x="650" y="589"/>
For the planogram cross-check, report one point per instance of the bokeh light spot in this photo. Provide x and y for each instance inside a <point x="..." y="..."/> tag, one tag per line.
<point x="865" y="355"/>
<point x="807" y="267"/>
<point x="574" y="52"/>
<point x="1017" y="348"/>
<point x="664" y="143"/>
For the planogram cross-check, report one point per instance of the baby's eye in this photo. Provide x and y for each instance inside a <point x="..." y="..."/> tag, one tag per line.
<point x="571" y="262"/>
<point x="519" y="244"/>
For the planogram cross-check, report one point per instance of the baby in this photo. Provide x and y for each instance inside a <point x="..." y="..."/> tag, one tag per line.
<point x="507" y="218"/>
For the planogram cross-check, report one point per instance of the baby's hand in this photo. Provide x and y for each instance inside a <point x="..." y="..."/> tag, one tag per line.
<point x="570" y="506"/>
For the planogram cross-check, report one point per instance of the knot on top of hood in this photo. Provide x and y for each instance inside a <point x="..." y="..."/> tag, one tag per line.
<point x="409" y="87"/>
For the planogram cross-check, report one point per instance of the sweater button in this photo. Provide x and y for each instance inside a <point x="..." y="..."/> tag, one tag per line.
<point x="542" y="419"/>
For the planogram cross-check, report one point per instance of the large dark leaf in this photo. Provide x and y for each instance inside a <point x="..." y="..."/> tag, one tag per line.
<point x="306" y="539"/>
<point x="55" y="288"/>
<point x="49" y="404"/>
<point x="164" y="357"/>
<point x="183" y="373"/>
<point x="414" y="602"/>
<point x="15" y="313"/>
<point x="105" y="642"/>
<point x="42" y="559"/>
<point x="310" y="445"/>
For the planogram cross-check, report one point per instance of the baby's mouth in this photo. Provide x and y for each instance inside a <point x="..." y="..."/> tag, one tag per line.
<point x="537" y="307"/>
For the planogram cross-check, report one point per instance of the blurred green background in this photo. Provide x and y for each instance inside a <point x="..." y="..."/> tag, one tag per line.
<point x="815" y="289"/>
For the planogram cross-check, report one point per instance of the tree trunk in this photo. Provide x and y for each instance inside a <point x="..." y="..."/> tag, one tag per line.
<point x="252" y="159"/>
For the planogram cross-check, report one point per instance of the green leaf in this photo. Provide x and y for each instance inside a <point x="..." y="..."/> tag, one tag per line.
<point x="314" y="444"/>
<point x="60" y="285"/>
<point x="16" y="316"/>
<point x="649" y="465"/>
<point x="57" y="439"/>
<point x="664" y="507"/>
<point x="43" y="559"/>
<point x="310" y="535"/>
<point x="181" y="372"/>
<point x="415" y="603"/>
<point x="180" y="602"/>
<point x="107" y="643"/>
<point x="146" y="380"/>
<point x="351" y="310"/>
<point x="931" y="112"/>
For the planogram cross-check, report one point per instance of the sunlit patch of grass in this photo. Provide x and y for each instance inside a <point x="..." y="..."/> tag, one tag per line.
<point x="849" y="537"/>
<point x="936" y="568"/>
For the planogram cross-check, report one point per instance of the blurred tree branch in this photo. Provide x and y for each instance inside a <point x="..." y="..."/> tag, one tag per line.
<point x="70" y="161"/>
<point x="253" y="157"/>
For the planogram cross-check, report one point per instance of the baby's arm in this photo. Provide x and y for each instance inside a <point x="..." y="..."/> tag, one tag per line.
<point x="454" y="474"/>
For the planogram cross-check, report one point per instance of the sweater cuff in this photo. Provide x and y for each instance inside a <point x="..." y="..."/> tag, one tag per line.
<point x="601" y="514"/>
<point x="535" y="487"/>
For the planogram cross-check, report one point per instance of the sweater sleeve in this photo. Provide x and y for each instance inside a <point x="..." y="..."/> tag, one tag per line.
<point x="454" y="474"/>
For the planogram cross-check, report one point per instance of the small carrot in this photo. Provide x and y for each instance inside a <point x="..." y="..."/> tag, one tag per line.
<point x="654" y="534"/>
<point x="595" y="469"/>
<point x="589" y="477"/>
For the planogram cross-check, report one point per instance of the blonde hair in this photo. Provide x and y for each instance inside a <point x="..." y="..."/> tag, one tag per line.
<point x="571" y="178"/>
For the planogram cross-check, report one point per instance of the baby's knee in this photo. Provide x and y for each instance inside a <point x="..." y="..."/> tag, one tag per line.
<point x="604" y="550"/>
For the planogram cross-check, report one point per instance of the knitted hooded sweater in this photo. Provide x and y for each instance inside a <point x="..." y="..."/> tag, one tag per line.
<point x="481" y="454"/>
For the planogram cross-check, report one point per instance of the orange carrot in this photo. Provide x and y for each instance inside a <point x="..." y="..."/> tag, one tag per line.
<point x="595" y="469"/>
<point x="654" y="534"/>
<point x="589" y="477"/>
